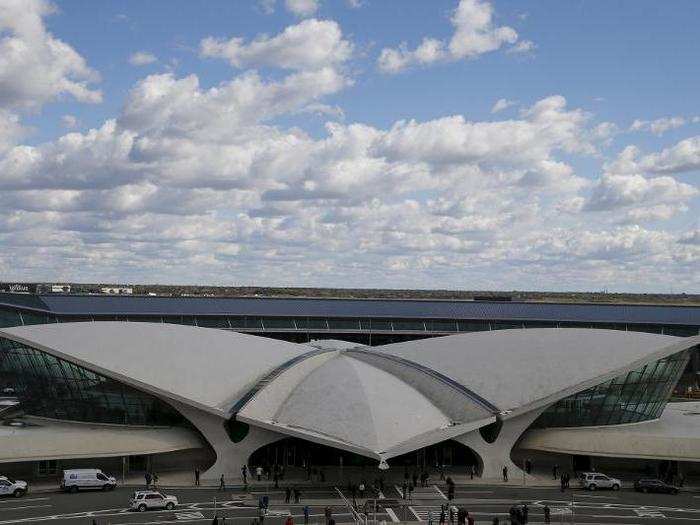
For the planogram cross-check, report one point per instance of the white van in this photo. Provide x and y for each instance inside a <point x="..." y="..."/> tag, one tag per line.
<point x="86" y="479"/>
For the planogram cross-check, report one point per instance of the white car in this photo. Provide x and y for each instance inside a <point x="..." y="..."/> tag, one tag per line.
<point x="85" y="479"/>
<point x="596" y="480"/>
<point x="12" y="487"/>
<point x="144" y="500"/>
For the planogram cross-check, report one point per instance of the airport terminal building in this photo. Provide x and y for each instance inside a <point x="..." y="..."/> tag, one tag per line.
<point x="185" y="395"/>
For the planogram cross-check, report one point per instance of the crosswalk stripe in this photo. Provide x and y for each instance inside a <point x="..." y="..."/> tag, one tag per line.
<point x="442" y="494"/>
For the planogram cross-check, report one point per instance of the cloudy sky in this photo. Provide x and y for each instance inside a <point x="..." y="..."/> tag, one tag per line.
<point x="465" y="144"/>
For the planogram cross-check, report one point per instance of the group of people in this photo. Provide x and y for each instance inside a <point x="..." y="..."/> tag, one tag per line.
<point x="151" y="480"/>
<point x="452" y="513"/>
<point x="289" y="492"/>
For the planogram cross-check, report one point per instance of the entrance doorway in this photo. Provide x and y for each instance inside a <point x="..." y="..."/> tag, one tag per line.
<point x="295" y="452"/>
<point x="446" y="454"/>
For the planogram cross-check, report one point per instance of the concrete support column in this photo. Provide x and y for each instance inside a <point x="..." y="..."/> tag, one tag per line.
<point x="494" y="456"/>
<point x="230" y="456"/>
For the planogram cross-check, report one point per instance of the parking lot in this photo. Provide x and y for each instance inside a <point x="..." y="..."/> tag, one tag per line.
<point x="483" y="502"/>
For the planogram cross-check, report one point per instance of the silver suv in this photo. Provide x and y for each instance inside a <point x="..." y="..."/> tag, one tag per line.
<point x="144" y="500"/>
<point x="596" y="480"/>
<point x="12" y="487"/>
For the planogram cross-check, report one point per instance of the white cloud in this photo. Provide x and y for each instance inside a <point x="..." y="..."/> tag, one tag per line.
<point x="691" y="237"/>
<point x="522" y="47"/>
<point x="11" y="130"/>
<point x="617" y="191"/>
<point x="302" y="7"/>
<point x="683" y="157"/>
<point x="35" y="67"/>
<point x="311" y="44"/>
<point x="474" y="35"/>
<point x="142" y="58"/>
<point x="501" y="104"/>
<point x="658" y="126"/>
<point x="354" y="4"/>
<point x="69" y="121"/>
<point x="267" y="6"/>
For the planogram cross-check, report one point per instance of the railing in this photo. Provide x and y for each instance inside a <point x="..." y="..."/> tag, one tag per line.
<point x="358" y="517"/>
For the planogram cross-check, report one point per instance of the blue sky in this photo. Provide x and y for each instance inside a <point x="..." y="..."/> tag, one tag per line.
<point x="353" y="153"/>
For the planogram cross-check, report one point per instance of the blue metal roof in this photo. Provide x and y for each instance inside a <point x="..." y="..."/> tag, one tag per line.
<point x="374" y="308"/>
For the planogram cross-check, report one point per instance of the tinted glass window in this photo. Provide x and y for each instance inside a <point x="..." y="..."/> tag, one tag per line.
<point x="51" y="387"/>
<point x="636" y="396"/>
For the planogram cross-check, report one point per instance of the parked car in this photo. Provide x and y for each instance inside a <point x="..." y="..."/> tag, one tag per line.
<point x="12" y="487"/>
<point x="86" y="479"/>
<point x="144" y="500"/>
<point x="596" y="480"/>
<point x="654" y="485"/>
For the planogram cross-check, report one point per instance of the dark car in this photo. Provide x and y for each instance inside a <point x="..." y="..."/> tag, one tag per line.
<point x="654" y="485"/>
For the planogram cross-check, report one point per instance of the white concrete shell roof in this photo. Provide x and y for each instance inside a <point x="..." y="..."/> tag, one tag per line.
<point x="202" y="367"/>
<point x="339" y="399"/>
<point x="519" y="370"/>
<point x="378" y="402"/>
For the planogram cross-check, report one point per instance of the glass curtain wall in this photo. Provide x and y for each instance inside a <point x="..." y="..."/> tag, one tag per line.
<point x="639" y="395"/>
<point x="51" y="387"/>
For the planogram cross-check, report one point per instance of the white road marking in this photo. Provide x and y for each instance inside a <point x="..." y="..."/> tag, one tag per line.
<point x="442" y="494"/>
<point x="649" y="513"/>
<point x="188" y="515"/>
<point x="392" y="515"/>
<point x="598" y="497"/>
<point x="414" y="513"/>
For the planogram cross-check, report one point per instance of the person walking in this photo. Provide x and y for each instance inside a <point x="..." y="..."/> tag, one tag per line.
<point x="306" y="514"/>
<point x="470" y="519"/>
<point x="472" y="471"/>
<point x="215" y="521"/>
<point x="287" y="494"/>
<point x="410" y="492"/>
<point x="362" y="489"/>
<point x="404" y="490"/>
<point x="196" y="476"/>
<point x="147" y="477"/>
<point x="528" y="466"/>
<point x="155" y="480"/>
<point x="505" y="474"/>
<point x="547" y="514"/>
<point x="461" y="516"/>
<point x="328" y="514"/>
<point x="442" y="515"/>
<point x="562" y="482"/>
<point x="222" y="483"/>
<point x="244" y="474"/>
<point x="258" y="473"/>
<point x="276" y="479"/>
<point x="430" y="517"/>
<point x="555" y="471"/>
<point x="526" y="513"/>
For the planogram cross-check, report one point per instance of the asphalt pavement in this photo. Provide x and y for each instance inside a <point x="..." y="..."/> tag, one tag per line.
<point x="198" y="506"/>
